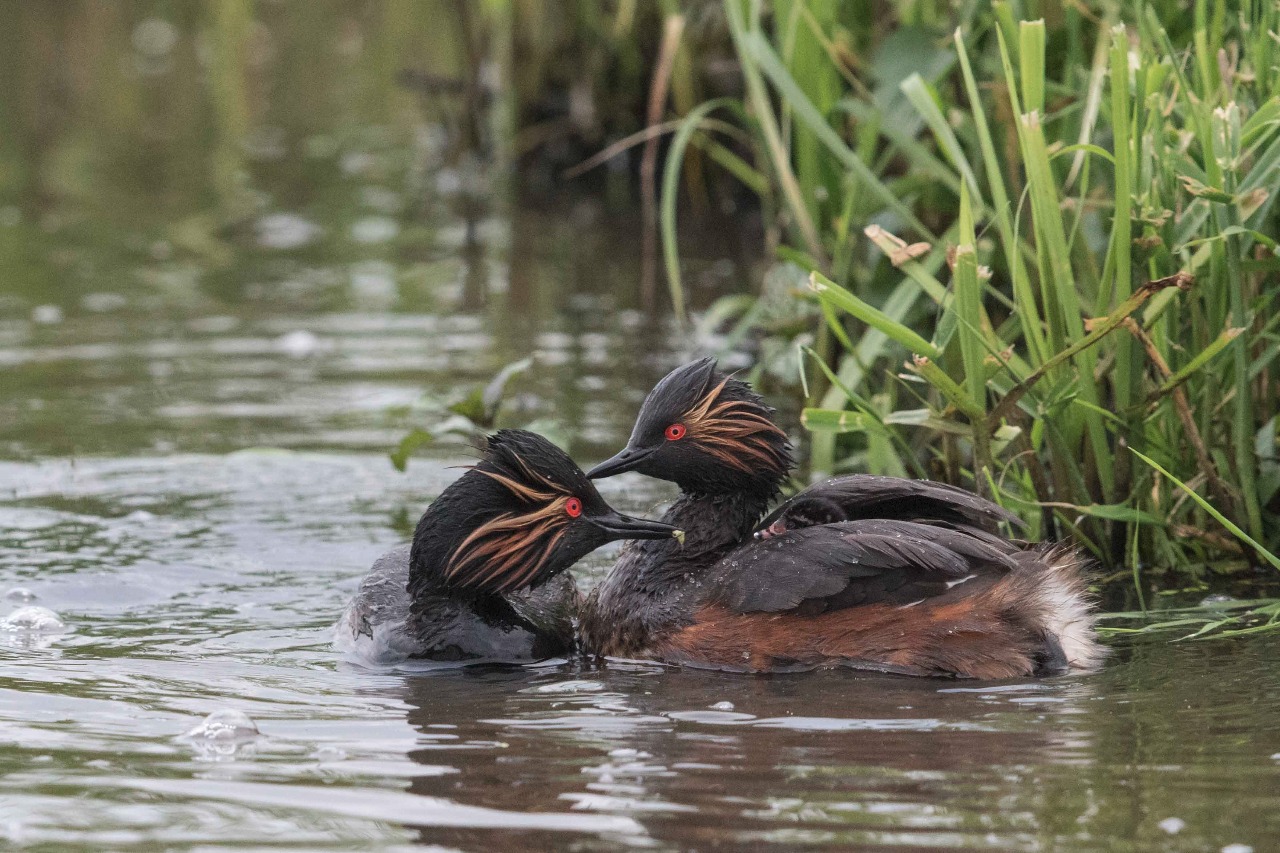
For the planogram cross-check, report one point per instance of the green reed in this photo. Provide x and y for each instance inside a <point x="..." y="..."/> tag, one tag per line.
<point x="1033" y="246"/>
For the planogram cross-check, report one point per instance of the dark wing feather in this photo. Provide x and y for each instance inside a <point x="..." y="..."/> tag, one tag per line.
<point x="833" y="566"/>
<point x="860" y="496"/>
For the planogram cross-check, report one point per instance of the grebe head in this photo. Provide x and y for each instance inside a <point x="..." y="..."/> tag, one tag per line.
<point x="520" y="516"/>
<point x="707" y="432"/>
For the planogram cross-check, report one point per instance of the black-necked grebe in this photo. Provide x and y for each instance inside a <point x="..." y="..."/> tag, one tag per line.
<point x="879" y="573"/>
<point x="484" y="579"/>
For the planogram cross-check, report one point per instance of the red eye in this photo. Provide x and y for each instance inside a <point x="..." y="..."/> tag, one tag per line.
<point x="675" y="432"/>
<point x="573" y="506"/>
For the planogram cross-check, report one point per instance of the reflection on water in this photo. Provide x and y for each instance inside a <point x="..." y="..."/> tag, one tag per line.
<point x="193" y="583"/>
<point x="231" y="226"/>
<point x="233" y="253"/>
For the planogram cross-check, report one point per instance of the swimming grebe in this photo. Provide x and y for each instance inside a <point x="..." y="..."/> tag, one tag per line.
<point x="484" y="578"/>
<point x="879" y="573"/>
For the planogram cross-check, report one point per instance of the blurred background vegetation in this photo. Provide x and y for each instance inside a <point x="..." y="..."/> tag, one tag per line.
<point x="1025" y="247"/>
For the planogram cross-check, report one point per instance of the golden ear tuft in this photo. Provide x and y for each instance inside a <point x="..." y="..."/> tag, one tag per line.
<point x="738" y="433"/>
<point x="508" y="552"/>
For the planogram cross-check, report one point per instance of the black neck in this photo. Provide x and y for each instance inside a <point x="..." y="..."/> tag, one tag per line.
<point x="714" y="523"/>
<point x="426" y="587"/>
<point x="656" y="584"/>
<point x="426" y="581"/>
<point x="424" y="577"/>
<point x="710" y="517"/>
<point x="713" y="526"/>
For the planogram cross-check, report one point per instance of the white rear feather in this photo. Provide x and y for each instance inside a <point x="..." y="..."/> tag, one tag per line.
<point x="1068" y="608"/>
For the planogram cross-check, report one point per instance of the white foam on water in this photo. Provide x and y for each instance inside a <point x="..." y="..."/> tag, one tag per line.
<point x="227" y="724"/>
<point x="33" y="619"/>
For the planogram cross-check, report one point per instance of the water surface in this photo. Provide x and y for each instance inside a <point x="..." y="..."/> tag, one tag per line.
<point x="222" y="301"/>
<point x="192" y="583"/>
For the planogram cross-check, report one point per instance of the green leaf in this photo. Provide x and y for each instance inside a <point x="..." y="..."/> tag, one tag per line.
<point x="471" y="407"/>
<point x="1031" y="58"/>
<point x="1208" y="507"/>
<point x="1199" y="189"/>
<point x="828" y="290"/>
<point x="835" y="421"/>
<point x="411" y="442"/>
<point x="1023" y="295"/>
<point x="493" y="393"/>
<point x="969" y="305"/>
<point x="1120" y="512"/>
<point x="805" y="111"/>
<point x="925" y="102"/>
<point x="1202" y="358"/>
<point x="671" y="191"/>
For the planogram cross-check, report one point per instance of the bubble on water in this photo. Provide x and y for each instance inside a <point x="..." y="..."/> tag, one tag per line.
<point x="714" y="718"/>
<point x="626" y="756"/>
<point x="722" y="706"/>
<point x="1218" y="599"/>
<point x="222" y="735"/>
<point x="1237" y="848"/>
<point x="46" y="315"/>
<point x="31" y="627"/>
<point x="225" y="726"/>
<point x="1172" y="825"/>
<point x="297" y="344"/>
<point x="20" y="593"/>
<point x="33" y="619"/>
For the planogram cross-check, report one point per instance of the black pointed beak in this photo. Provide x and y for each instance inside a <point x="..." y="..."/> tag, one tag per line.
<point x="619" y="526"/>
<point x="627" y="460"/>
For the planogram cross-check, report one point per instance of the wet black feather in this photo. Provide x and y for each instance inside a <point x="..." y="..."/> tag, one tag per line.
<point x="852" y="562"/>
<point x="869" y="496"/>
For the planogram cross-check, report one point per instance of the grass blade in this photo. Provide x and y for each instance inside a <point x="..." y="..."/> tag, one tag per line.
<point x="1217" y="516"/>
<point x="670" y="192"/>
<point x="829" y="291"/>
